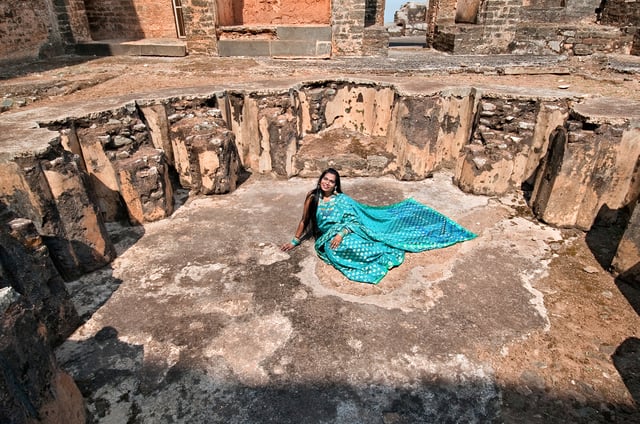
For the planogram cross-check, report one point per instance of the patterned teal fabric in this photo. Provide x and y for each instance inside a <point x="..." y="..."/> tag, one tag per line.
<point x="379" y="236"/>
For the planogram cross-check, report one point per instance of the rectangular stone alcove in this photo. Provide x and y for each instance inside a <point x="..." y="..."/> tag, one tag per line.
<point x="292" y="28"/>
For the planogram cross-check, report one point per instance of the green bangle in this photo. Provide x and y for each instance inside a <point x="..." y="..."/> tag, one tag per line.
<point x="295" y="241"/>
<point x="344" y="232"/>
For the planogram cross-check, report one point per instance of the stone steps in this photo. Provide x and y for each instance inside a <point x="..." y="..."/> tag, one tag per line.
<point x="144" y="47"/>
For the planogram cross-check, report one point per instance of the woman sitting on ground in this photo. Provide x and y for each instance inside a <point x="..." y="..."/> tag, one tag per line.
<point x="364" y="242"/>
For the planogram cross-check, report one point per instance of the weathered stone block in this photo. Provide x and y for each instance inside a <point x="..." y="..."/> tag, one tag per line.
<point x="53" y="191"/>
<point x="509" y="142"/>
<point x="205" y="153"/>
<point x="101" y="171"/>
<point x="584" y="170"/>
<point x="427" y="133"/>
<point x="158" y="124"/>
<point x="25" y="265"/>
<point x="32" y="386"/>
<point x="145" y="186"/>
<point x="363" y="108"/>
<point x="83" y="244"/>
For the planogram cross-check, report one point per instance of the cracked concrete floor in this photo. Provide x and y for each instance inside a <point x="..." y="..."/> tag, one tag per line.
<point x="202" y="319"/>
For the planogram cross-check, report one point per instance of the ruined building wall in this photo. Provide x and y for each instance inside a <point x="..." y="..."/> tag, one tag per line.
<point x="374" y="12"/>
<point x="227" y="12"/>
<point x="348" y="27"/>
<point x="130" y="19"/>
<point x="621" y="13"/>
<point x="200" y="18"/>
<point x="28" y="29"/>
<point x="274" y="12"/>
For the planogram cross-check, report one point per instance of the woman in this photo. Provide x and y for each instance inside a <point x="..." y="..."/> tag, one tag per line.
<point x="364" y="242"/>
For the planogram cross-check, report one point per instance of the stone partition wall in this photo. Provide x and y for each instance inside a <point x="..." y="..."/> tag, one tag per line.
<point x="126" y="163"/>
<point x="577" y="163"/>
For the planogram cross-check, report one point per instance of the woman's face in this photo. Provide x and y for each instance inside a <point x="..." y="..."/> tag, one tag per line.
<point x="328" y="183"/>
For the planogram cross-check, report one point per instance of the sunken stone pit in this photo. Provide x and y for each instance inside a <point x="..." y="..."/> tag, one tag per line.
<point x="66" y="181"/>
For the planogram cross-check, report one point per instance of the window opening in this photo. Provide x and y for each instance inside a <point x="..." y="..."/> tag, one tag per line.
<point x="177" y="12"/>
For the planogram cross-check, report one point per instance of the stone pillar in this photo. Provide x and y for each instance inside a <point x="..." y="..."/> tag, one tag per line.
<point x="348" y="18"/>
<point x="201" y="22"/>
<point x="205" y="152"/>
<point x="145" y="186"/>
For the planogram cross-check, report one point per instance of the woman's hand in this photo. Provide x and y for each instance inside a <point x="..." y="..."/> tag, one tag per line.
<point x="286" y="247"/>
<point x="335" y="242"/>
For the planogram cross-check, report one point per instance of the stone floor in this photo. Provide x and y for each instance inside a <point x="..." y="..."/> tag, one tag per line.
<point x="203" y="319"/>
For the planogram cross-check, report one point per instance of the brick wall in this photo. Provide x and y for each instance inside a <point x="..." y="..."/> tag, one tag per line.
<point x="130" y="19"/>
<point x="274" y="12"/>
<point x="27" y="30"/>
<point x="227" y="12"/>
<point x="72" y="20"/>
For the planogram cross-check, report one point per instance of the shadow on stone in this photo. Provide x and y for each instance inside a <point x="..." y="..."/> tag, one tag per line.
<point x="628" y="285"/>
<point x="605" y="234"/>
<point x="91" y="291"/>
<point x="113" y="378"/>
<point x="627" y="361"/>
<point x="105" y="370"/>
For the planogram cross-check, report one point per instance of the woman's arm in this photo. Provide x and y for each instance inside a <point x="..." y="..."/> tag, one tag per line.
<point x="304" y="222"/>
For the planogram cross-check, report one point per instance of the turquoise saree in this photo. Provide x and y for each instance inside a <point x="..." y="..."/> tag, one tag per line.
<point x="377" y="237"/>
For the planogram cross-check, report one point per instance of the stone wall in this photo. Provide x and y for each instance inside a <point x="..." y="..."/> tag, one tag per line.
<point x="275" y="12"/>
<point x="200" y="20"/>
<point x="514" y="26"/>
<point x="28" y="30"/>
<point x="72" y="20"/>
<point x="348" y="18"/>
<point x="621" y="13"/>
<point x="128" y="19"/>
<point x="374" y="12"/>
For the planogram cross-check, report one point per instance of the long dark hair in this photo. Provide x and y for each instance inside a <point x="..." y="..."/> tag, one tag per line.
<point x="312" y="226"/>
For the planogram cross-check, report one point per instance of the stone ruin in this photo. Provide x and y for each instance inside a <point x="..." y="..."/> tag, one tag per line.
<point x="410" y="19"/>
<point x="576" y="165"/>
<point x="318" y="28"/>
<point x="577" y="28"/>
